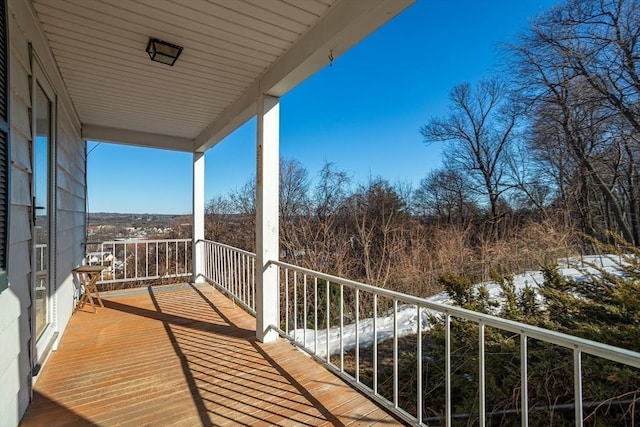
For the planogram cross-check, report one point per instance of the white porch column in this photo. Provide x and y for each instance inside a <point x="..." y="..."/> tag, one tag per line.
<point x="267" y="225"/>
<point x="198" y="217"/>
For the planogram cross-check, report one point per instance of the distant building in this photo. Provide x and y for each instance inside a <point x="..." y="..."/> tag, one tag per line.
<point x="104" y="258"/>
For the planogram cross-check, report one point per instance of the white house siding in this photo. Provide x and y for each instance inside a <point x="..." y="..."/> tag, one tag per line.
<point x="70" y="213"/>
<point x="15" y="302"/>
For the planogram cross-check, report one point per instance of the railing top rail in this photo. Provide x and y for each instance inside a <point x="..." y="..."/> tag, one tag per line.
<point x="605" y="351"/>
<point x="242" y="251"/>
<point x="111" y="242"/>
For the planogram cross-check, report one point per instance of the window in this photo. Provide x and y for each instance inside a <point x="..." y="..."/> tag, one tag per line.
<point x="5" y="190"/>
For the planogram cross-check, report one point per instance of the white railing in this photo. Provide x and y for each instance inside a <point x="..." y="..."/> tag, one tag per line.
<point x="329" y="317"/>
<point x="41" y="265"/>
<point x="232" y="271"/>
<point x="137" y="260"/>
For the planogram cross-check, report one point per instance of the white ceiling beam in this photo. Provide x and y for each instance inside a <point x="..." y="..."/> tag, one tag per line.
<point x="346" y="23"/>
<point x="139" y="139"/>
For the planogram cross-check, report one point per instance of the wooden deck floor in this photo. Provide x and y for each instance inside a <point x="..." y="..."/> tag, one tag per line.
<point x="185" y="356"/>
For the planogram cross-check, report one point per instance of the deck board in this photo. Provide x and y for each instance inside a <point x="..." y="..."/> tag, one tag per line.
<point x="185" y="356"/>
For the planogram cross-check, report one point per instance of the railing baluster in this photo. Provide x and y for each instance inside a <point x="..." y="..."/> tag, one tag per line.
<point x="243" y="278"/>
<point x="577" y="385"/>
<point x="524" y="382"/>
<point x="206" y="262"/>
<point x="247" y="276"/>
<point x="295" y="305"/>
<point x="395" y="353"/>
<point x="230" y="270"/>
<point x="286" y="300"/>
<point x="146" y="260"/>
<point x="157" y="268"/>
<point x="245" y="265"/>
<point x="357" y="373"/>
<point x="232" y="273"/>
<point x="447" y="367"/>
<point x="239" y="276"/>
<point x="176" y="254"/>
<point x="126" y="258"/>
<point x="236" y="288"/>
<point x="215" y="250"/>
<point x="328" y="320"/>
<point x="278" y="275"/>
<point x="315" y="315"/>
<point x="135" y="246"/>
<point x="481" y="376"/>
<point x="419" y="364"/>
<point x="113" y="266"/>
<point x="341" y="327"/>
<point x="227" y="265"/>
<point x="223" y="268"/>
<point x="375" y="343"/>
<point x="213" y="253"/>
<point x="304" y="311"/>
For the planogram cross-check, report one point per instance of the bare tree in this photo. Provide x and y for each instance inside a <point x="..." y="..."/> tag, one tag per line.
<point x="294" y="189"/>
<point x="243" y="199"/>
<point x="242" y="202"/>
<point x="446" y="196"/>
<point x="217" y="215"/>
<point x="579" y="67"/>
<point x="331" y="191"/>
<point x="322" y="238"/>
<point x="295" y="206"/>
<point x="378" y="219"/>
<point x="480" y="126"/>
<point x="598" y="40"/>
<point x="531" y="186"/>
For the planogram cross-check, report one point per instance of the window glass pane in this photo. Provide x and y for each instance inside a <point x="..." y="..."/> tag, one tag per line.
<point x="41" y="203"/>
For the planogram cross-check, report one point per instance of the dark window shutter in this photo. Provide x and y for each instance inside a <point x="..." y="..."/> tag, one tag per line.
<point x="5" y="189"/>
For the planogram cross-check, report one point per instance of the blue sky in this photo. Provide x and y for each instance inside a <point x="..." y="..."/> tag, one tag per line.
<point x="363" y="113"/>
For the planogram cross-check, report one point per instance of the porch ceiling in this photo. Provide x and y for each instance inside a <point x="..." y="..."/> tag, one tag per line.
<point x="233" y="50"/>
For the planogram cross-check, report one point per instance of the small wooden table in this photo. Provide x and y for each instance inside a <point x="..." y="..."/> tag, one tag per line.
<point x="89" y="275"/>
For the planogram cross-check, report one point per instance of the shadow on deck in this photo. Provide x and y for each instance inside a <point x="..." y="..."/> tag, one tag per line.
<point x="184" y="355"/>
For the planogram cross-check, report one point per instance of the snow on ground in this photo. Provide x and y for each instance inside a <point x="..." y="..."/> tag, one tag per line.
<point x="577" y="268"/>
<point x="574" y="268"/>
<point x="407" y="323"/>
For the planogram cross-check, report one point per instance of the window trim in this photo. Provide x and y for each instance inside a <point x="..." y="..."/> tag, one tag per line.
<point x="39" y="78"/>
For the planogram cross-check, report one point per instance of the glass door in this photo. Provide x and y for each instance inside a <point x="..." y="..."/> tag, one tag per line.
<point x="43" y="109"/>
